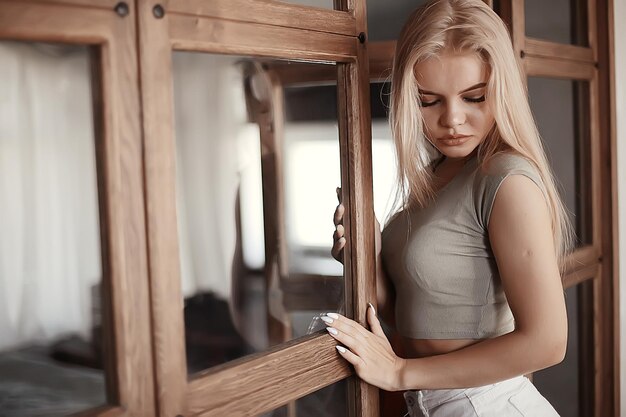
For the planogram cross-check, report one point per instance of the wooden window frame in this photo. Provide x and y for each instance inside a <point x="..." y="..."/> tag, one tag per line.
<point x="594" y="262"/>
<point x="266" y="380"/>
<point x="128" y="358"/>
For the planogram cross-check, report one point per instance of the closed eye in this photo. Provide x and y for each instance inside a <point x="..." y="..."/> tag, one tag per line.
<point x="476" y="99"/>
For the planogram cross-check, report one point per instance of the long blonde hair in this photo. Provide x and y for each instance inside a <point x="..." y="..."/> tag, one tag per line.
<point x="466" y="25"/>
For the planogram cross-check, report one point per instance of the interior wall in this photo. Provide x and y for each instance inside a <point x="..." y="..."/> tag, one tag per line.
<point x="620" y="113"/>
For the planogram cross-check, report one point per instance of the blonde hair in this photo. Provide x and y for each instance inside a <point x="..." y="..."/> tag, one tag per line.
<point x="467" y="26"/>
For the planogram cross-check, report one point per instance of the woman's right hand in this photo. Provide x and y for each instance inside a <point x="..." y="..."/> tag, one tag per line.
<point x="339" y="239"/>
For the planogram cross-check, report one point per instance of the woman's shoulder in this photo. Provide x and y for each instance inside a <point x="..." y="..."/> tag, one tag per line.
<point x="505" y="163"/>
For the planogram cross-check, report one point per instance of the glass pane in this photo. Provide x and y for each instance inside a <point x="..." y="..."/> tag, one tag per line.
<point x="385" y="18"/>
<point x="563" y="21"/>
<point x="561" y="109"/>
<point x="51" y="332"/>
<point x="257" y="166"/>
<point x="323" y="4"/>
<point x="569" y="385"/>
<point x="330" y="401"/>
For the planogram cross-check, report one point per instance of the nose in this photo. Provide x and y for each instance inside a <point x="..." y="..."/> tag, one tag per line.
<point x="452" y="116"/>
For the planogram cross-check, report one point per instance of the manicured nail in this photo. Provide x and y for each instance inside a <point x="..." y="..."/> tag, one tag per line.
<point x="333" y="315"/>
<point x="332" y="330"/>
<point x="373" y="309"/>
<point x="327" y="319"/>
<point x="341" y="349"/>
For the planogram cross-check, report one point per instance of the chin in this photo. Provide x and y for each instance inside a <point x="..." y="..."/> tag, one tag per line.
<point x="459" y="151"/>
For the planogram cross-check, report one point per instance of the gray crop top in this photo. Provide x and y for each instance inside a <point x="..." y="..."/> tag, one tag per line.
<point x="440" y="260"/>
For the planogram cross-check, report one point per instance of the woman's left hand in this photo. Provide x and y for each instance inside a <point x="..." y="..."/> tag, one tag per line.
<point x="368" y="351"/>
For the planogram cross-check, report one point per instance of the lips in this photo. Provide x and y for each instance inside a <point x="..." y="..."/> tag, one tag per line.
<point x="452" y="140"/>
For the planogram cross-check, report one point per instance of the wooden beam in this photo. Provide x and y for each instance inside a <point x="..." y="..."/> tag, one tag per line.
<point x="268" y="380"/>
<point x="208" y="34"/>
<point x="272" y="13"/>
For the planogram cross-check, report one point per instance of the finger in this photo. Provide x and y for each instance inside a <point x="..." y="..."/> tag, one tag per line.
<point x="374" y="322"/>
<point x="338" y="214"/>
<point x="344" y="338"/>
<point x="338" y="190"/>
<point x="337" y="249"/>
<point x="347" y="326"/>
<point x="339" y="232"/>
<point x="349" y="356"/>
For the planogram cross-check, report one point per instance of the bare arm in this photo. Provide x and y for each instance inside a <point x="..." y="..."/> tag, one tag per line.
<point x="521" y="239"/>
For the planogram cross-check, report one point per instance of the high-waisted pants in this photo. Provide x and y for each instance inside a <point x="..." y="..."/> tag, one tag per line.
<point x="515" y="397"/>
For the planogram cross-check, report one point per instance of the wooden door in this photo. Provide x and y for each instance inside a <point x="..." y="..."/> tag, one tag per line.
<point x="274" y="46"/>
<point x="101" y="37"/>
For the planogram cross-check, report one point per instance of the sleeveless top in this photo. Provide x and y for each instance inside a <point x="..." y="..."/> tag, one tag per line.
<point x="440" y="261"/>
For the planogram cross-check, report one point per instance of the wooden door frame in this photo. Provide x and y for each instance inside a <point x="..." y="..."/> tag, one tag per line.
<point x="96" y="23"/>
<point x="266" y="380"/>
<point x="595" y="262"/>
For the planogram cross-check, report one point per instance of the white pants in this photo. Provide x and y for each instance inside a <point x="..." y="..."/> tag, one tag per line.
<point x="513" y="397"/>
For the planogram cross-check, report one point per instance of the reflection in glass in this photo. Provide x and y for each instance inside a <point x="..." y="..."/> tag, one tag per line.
<point x="569" y="385"/>
<point x="51" y="361"/>
<point x="561" y="109"/>
<point x="257" y="168"/>
<point x="563" y="21"/>
<point x="330" y="401"/>
<point x="385" y="18"/>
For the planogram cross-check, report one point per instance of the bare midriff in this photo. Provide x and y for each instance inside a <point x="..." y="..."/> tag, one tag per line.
<point x="420" y="348"/>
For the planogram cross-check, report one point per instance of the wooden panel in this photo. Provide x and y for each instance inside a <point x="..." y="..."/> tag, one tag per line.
<point x="232" y="37"/>
<point x="381" y="59"/>
<point x="22" y="20"/>
<point x="557" y="68"/>
<point x="100" y="4"/>
<point x="162" y="228"/>
<point x="582" y="258"/>
<point x="512" y="12"/>
<point x="541" y="48"/>
<point x="120" y="175"/>
<point x="269" y="13"/>
<point x="608" y="373"/>
<point x="583" y="274"/>
<point x="268" y="380"/>
<point x="356" y="179"/>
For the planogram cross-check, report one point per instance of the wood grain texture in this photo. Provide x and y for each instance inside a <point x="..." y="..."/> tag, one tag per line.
<point x="207" y="34"/>
<point x="160" y="175"/>
<point x="356" y="156"/>
<point x="558" y="68"/>
<point x="268" y="12"/>
<point x="119" y="162"/>
<point x="381" y="59"/>
<point x="265" y="381"/>
<point x="542" y="48"/>
<point x="608" y="373"/>
<point x="580" y="275"/>
<point x="100" y="4"/>
<point x="512" y="13"/>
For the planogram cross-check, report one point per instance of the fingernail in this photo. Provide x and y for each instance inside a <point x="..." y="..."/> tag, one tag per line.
<point x="373" y="309"/>
<point x="332" y="330"/>
<point x="341" y="349"/>
<point x="326" y="319"/>
<point x="333" y="315"/>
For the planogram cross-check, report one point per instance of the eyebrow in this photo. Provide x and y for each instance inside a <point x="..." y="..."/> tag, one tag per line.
<point x="474" y="87"/>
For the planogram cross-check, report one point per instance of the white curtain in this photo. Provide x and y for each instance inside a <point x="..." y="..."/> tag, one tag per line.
<point x="211" y="127"/>
<point x="49" y="231"/>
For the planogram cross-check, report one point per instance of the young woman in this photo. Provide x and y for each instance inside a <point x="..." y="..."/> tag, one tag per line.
<point x="469" y="265"/>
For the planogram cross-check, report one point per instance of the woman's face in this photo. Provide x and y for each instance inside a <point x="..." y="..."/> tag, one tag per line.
<point x="452" y="88"/>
